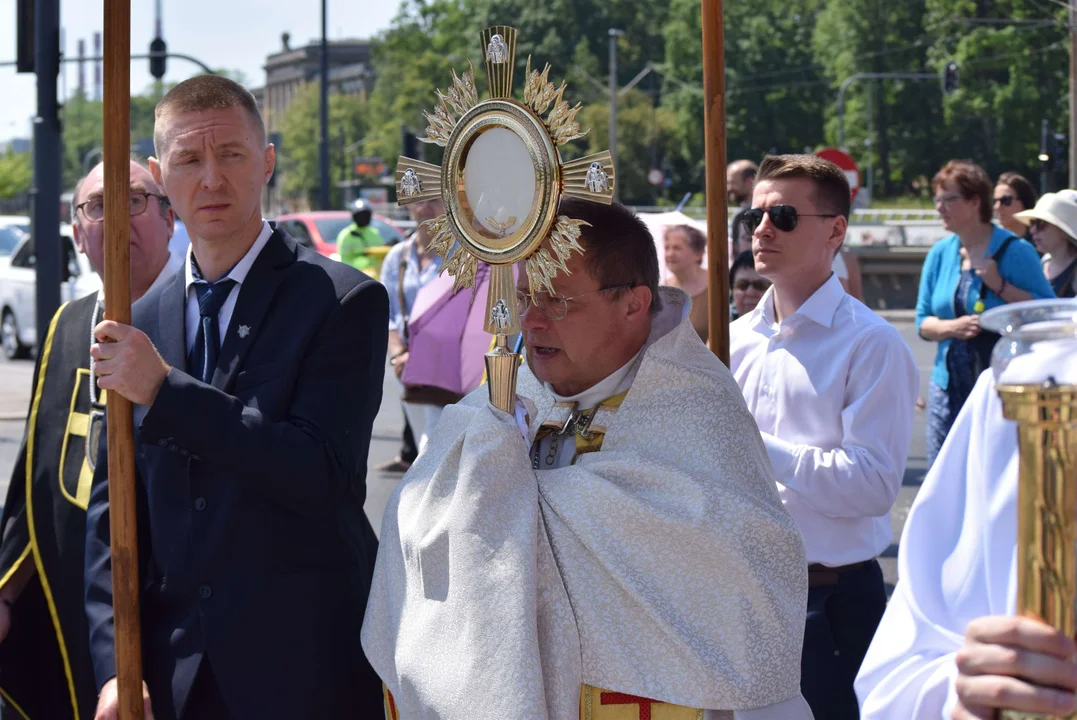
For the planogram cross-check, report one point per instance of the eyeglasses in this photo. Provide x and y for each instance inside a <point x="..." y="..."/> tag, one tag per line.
<point x="941" y="200"/>
<point x="1039" y="225"/>
<point x="757" y="285"/>
<point x="1004" y="200"/>
<point x="784" y="217"/>
<point x="94" y="210"/>
<point x="554" y="307"/>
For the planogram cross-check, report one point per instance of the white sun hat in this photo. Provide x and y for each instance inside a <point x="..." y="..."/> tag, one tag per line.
<point x="1059" y="209"/>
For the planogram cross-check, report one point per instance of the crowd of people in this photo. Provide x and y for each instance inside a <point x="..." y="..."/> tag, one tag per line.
<point x="649" y="528"/>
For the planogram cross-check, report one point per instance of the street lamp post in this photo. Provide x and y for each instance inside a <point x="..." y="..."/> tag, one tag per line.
<point x="323" y="142"/>
<point x="614" y="34"/>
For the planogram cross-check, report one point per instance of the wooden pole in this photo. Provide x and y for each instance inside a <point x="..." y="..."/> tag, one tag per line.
<point x="121" y="446"/>
<point x="717" y="207"/>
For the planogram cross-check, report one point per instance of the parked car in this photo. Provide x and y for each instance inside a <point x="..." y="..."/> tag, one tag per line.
<point x="20" y="224"/>
<point x="18" y="290"/>
<point x="318" y="230"/>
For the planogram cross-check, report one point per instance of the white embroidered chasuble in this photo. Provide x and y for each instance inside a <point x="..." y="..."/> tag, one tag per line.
<point x="662" y="566"/>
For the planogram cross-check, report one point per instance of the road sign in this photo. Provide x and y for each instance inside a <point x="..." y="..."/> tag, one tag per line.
<point x="844" y="161"/>
<point x="372" y="166"/>
<point x="656" y="177"/>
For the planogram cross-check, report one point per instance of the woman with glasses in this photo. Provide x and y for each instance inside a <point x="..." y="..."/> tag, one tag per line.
<point x="684" y="248"/>
<point x="978" y="267"/>
<point x="748" y="285"/>
<point x="1053" y="223"/>
<point x="1013" y="194"/>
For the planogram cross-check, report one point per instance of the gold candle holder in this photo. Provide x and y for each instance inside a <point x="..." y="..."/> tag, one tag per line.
<point x="1046" y="417"/>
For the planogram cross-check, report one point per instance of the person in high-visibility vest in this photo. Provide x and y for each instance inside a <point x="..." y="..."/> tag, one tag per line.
<point x="353" y="240"/>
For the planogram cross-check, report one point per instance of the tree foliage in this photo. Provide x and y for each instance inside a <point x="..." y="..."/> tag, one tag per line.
<point x="16" y="174"/>
<point x="298" y="159"/>
<point x="785" y="61"/>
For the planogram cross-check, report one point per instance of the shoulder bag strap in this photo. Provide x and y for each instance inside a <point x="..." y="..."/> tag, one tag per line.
<point x="997" y="257"/>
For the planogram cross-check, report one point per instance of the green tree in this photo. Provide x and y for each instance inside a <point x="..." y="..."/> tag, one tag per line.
<point x="887" y="117"/>
<point x="428" y="39"/>
<point x="300" y="131"/>
<point x="82" y="130"/>
<point x="16" y="174"/>
<point x="1013" y="75"/>
<point x="644" y="131"/>
<point x="774" y="90"/>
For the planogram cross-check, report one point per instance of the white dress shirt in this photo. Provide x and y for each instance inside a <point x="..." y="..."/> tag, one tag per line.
<point x="832" y="388"/>
<point x="237" y="273"/>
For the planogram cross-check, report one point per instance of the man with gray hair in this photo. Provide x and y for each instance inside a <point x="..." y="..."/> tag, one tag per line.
<point x="45" y="668"/>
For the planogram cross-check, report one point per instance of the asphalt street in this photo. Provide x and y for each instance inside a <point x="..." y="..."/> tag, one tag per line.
<point x="16" y="378"/>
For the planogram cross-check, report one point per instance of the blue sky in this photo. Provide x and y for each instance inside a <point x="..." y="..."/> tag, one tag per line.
<point x="223" y="33"/>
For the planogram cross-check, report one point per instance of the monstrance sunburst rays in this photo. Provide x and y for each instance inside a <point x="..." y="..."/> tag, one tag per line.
<point x="589" y="178"/>
<point x="501" y="181"/>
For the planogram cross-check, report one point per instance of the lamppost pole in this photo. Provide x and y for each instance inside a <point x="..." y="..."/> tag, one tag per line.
<point x="614" y="34"/>
<point x="323" y="141"/>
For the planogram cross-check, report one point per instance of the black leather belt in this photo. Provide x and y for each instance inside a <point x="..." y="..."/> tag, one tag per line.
<point x="822" y="576"/>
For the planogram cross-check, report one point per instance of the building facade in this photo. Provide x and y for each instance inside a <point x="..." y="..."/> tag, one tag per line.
<point x="288" y="69"/>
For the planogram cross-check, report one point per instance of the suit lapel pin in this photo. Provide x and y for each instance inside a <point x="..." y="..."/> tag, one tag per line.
<point x="244" y="331"/>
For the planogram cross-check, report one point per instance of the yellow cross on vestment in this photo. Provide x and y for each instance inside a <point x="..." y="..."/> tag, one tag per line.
<point x="78" y="426"/>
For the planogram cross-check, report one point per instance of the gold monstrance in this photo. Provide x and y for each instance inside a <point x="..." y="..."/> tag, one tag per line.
<point x="501" y="181"/>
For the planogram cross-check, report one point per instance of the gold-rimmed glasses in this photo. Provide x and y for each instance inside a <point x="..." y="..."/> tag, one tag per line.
<point x="555" y="307"/>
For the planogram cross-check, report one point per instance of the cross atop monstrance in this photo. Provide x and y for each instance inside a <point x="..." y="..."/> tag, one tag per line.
<point x="501" y="182"/>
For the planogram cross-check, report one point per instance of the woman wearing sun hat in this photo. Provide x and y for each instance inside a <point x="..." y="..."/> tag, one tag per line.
<point x="1054" y="230"/>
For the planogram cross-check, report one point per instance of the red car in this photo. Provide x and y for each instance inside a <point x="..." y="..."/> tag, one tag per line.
<point x="318" y="229"/>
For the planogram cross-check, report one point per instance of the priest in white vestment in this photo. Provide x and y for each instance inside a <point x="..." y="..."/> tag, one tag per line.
<point x="618" y="544"/>
<point x="948" y="646"/>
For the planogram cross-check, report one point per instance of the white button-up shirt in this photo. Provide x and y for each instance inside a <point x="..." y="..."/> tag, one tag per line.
<point x="237" y="273"/>
<point x="833" y="388"/>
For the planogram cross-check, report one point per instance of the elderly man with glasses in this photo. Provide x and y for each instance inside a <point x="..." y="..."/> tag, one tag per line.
<point x="45" y="668"/>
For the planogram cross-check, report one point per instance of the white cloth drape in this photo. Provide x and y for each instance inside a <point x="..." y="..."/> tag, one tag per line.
<point x="958" y="554"/>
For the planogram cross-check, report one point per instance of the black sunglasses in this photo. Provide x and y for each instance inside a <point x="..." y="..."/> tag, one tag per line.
<point x="1004" y="200"/>
<point x="784" y="217"/>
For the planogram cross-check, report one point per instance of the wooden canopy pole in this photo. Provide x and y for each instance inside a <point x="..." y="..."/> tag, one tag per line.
<point x="121" y="446"/>
<point x="717" y="207"/>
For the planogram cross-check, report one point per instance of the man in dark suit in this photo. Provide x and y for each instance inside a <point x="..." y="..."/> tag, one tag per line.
<point x="256" y="374"/>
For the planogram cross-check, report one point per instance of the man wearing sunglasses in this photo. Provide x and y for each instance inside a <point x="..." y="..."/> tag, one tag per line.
<point x="832" y="388"/>
<point x="45" y="665"/>
<point x="630" y="550"/>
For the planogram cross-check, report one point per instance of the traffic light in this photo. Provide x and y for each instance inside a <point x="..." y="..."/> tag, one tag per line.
<point x="24" y="36"/>
<point x="158" y="56"/>
<point x="1059" y="152"/>
<point x="949" y="78"/>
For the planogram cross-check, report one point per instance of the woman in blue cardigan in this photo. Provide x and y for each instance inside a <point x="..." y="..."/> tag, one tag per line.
<point x="977" y="268"/>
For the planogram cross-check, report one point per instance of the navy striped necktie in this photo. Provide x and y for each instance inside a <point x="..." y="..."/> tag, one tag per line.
<point x="207" y="345"/>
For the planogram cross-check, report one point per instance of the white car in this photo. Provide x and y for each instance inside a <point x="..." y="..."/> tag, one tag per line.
<point x="18" y="283"/>
<point x="19" y="222"/>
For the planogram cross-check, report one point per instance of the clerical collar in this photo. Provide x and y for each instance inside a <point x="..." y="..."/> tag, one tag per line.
<point x="615" y="383"/>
